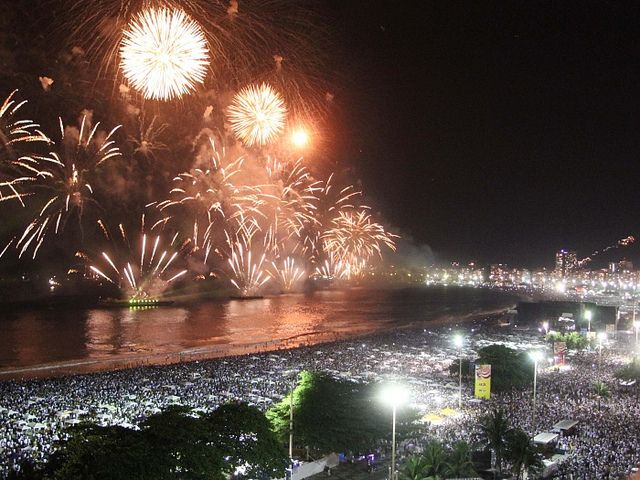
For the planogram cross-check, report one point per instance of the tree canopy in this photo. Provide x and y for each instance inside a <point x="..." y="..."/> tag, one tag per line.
<point x="509" y="368"/>
<point x="336" y="416"/>
<point x="173" y="444"/>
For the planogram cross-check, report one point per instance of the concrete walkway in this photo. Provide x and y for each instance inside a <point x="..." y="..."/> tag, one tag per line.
<point x="356" y="471"/>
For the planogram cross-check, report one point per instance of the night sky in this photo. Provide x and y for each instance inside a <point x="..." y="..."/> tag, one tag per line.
<point x="497" y="131"/>
<point x="484" y="131"/>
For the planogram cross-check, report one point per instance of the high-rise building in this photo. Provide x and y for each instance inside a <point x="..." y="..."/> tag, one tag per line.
<point x="566" y="261"/>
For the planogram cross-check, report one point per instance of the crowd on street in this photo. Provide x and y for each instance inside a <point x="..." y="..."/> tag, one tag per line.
<point x="35" y="413"/>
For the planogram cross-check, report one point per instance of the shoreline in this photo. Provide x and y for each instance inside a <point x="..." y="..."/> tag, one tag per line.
<point x="213" y="352"/>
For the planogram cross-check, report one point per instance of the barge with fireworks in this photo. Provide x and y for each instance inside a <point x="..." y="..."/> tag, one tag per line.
<point x="134" y="303"/>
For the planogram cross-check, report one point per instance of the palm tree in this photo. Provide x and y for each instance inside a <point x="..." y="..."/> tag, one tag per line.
<point x="602" y="391"/>
<point x="494" y="428"/>
<point x="435" y="458"/>
<point x="459" y="461"/>
<point x="521" y="453"/>
<point x="415" y="468"/>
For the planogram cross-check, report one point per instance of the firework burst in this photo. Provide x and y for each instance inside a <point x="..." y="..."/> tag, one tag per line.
<point x="257" y="114"/>
<point x="289" y="203"/>
<point x="164" y="53"/>
<point x="70" y="170"/>
<point x="144" y="273"/>
<point x="17" y="168"/>
<point x="212" y="198"/>
<point x="332" y="201"/>
<point x="286" y="273"/>
<point x="247" y="270"/>
<point x="354" y="239"/>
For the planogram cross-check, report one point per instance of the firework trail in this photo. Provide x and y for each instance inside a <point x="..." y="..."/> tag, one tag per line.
<point x="212" y="198"/>
<point x="164" y="53"/>
<point x="70" y="169"/>
<point x="257" y="114"/>
<point x="623" y="242"/>
<point x="330" y="269"/>
<point x="147" y="143"/>
<point x="145" y="271"/>
<point x="247" y="272"/>
<point x="354" y="239"/>
<point x="287" y="274"/>
<point x="332" y="201"/>
<point x="289" y="203"/>
<point x="18" y="169"/>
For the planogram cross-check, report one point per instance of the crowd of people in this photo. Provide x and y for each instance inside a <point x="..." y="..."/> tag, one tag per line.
<point x="35" y="413"/>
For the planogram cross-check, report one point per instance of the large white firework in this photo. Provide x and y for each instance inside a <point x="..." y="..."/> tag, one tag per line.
<point x="164" y="53"/>
<point x="257" y="114"/>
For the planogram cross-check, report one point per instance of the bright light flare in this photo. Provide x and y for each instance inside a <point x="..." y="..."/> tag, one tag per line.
<point x="394" y="394"/>
<point x="300" y="138"/>
<point x="257" y="114"/>
<point x="164" y="53"/>
<point x="536" y="355"/>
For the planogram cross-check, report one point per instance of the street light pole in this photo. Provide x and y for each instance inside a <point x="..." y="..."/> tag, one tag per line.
<point x="536" y="356"/>
<point x="458" y="343"/>
<point x="395" y="395"/>
<point x="293" y="387"/>
<point x="393" y="445"/>
<point x="291" y="427"/>
<point x="535" y="383"/>
<point x="601" y="337"/>
<point x="636" y="324"/>
<point x="460" y="379"/>
<point x="588" y="314"/>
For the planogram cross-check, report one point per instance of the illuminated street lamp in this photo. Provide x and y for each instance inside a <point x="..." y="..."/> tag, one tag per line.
<point x="395" y="395"/>
<point x="536" y="356"/>
<point x="602" y="336"/>
<point x="588" y="314"/>
<point x="458" y="341"/>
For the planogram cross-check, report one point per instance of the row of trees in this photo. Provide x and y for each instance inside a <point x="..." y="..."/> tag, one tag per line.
<point x="573" y="340"/>
<point x="509" y="368"/>
<point x="174" y="444"/>
<point x="330" y="416"/>
<point x="337" y="416"/>
<point x="437" y="462"/>
<point x="511" y="446"/>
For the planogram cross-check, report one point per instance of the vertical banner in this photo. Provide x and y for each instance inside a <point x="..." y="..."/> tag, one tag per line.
<point x="483" y="381"/>
<point x="559" y="352"/>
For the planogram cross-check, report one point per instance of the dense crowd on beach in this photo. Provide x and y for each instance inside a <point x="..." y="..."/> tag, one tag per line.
<point x="35" y="413"/>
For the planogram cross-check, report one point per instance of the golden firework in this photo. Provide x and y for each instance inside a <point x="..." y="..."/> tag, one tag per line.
<point x="164" y="53"/>
<point x="257" y="114"/>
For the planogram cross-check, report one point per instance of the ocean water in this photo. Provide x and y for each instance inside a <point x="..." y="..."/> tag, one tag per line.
<point x="50" y="341"/>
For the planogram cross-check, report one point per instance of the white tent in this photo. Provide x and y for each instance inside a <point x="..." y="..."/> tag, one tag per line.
<point x="545" y="438"/>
